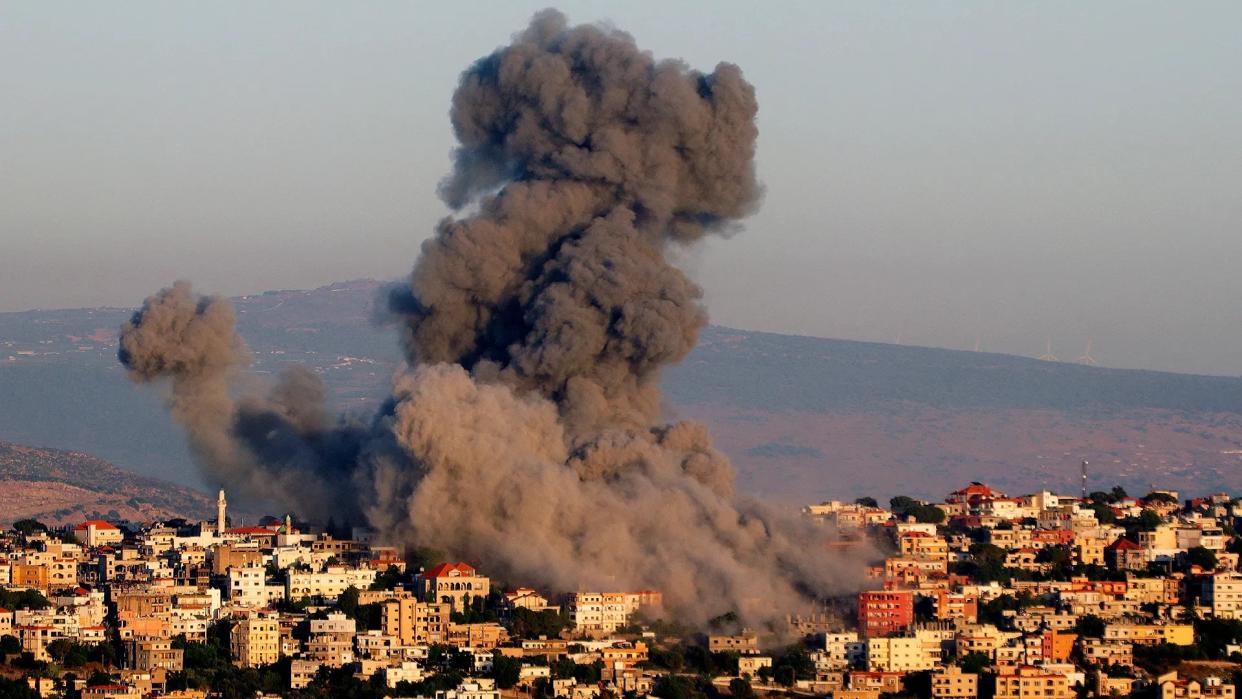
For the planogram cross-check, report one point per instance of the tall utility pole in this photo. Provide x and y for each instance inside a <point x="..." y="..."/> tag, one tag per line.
<point x="1084" y="479"/>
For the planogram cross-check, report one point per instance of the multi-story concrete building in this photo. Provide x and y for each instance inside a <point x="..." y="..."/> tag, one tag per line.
<point x="415" y="622"/>
<point x="1028" y="682"/>
<point x="883" y="612"/>
<point x="1222" y="594"/>
<point x="248" y="587"/>
<point x="603" y="612"/>
<point x="328" y="584"/>
<point x="952" y="683"/>
<point x="255" y="641"/>
<point x="899" y="654"/>
<point x="147" y="654"/>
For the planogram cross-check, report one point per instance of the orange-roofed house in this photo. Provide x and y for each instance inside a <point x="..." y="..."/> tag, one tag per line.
<point x="452" y="583"/>
<point x="96" y="532"/>
<point x="974" y="493"/>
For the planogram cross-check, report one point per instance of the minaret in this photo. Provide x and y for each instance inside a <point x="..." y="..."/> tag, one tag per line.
<point x="221" y="505"/>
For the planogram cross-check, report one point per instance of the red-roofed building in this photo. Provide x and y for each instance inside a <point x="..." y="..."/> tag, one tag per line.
<point x="1124" y="554"/>
<point x="452" y="583"/>
<point x="974" y="493"/>
<point x="96" y="532"/>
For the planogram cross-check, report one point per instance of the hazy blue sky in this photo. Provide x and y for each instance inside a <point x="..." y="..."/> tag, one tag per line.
<point x="936" y="172"/>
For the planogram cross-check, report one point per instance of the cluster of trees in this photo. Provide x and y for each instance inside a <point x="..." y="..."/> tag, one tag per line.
<point x="366" y="616"/>
<point x="693" y="659"/>
<point x="993" y="610"/>
<point x="525" y="623"/>
<point x="389" y="579"/>
<point x="17" y="599"/>
<point x="903" y="506"/>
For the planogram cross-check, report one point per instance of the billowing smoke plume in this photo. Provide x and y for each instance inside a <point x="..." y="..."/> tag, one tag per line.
<point x="527" y="436"/>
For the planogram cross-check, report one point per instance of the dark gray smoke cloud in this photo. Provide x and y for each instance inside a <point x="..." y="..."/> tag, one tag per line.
<point x="528" y="434"/>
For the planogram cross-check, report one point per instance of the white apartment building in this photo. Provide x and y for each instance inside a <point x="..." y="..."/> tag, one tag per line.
<point x="841" y="650"/>
<point x="1222" y="593"/>
<point x="407" y="671"/>
<point x="328" y="584"/>
<point x="247" y="587"/>
<point x="899" y="655"/>
<point x="602" y="612"/>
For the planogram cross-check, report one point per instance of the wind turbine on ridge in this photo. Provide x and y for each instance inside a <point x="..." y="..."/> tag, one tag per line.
<point x="1048" y="356"/>
<point x="1086" y="357"/>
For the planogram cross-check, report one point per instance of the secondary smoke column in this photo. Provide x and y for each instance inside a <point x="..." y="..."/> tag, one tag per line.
<point x="190" y="339"/>
<point x="528" y="433"/>
<point x="282" y="447"/>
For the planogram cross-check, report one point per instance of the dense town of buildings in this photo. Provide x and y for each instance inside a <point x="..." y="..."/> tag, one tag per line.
<point x="981" y="595"/>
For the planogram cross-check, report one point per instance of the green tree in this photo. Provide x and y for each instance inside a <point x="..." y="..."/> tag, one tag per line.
<point x="676" y="687"/>
<point x="524" y="623"/>
<point x="10" y="645"/>
<point x="23" y="599"/>
<point x="866" y="501"/>
<point x="29" y="526"/>
<point x="901" y="504"/>
<point x="1159" y="497"/>
<point x="1101" y="497"/>
<point x="389" y="579"/>
<point x="506" y="670"/>
<point x="987" y="563"/>
<point x="16" y="689"/>
<point x="68" y="653"/>
<point x="974" y="662"/>
<point x="1103" y="513"/>
<point x="1090" y="625"/>
<point x="784" y="675"/>
<point x="665" y="658"/>
<point x="1202" y="557"/>
<point x="741" y="689"/>
<point x="927" y="514"/>
<point x="347" y="602"/>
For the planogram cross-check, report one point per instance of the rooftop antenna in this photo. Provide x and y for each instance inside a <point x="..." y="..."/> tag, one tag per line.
<point x="1086" y="357"/>
<point x="1048" y="356"/>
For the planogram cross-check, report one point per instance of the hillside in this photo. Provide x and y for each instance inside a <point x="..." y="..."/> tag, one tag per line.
<point x="803" y="418"/>
<point x="59" y="487"/>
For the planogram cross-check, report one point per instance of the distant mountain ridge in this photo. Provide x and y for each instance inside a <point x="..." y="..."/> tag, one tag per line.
<point x="791" y="372"/>
<point x="802" y="418"/>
